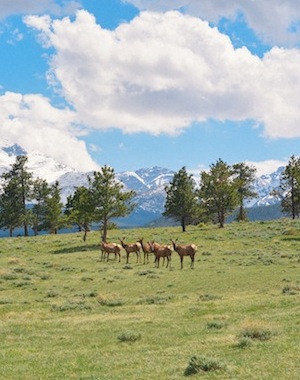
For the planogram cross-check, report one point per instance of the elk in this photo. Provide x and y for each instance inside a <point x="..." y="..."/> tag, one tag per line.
<point x="132" y="247"/>
<point x="107" y="248"/>
<point x="159" y="251"/>
<point x="185" y="250"/>
<point x="146" y="249"/>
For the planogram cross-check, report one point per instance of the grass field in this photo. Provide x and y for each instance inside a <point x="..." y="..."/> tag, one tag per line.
<point x="64" y="314"/>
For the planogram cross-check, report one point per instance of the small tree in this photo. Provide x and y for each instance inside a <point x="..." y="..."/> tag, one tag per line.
<point x="181" y="200"/>
<point x="53" y="219"/>
<point x="217" y="193"/>
<point x="40" y="194"/>
<point x="244" y="176"/>
<point x="80" y="209"/>
<point x="16" y="192"/>
<point x="109" y="198"/>
<point x="9" y="209"/>
<point x="290" y="187"/>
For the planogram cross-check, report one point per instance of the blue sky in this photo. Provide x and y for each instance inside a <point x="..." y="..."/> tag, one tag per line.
<point x="137" y="83"/>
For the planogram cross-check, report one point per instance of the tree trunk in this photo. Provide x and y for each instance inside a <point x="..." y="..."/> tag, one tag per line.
<point x="241" y="213"/>
<point x="84" y="235"/>
<point x="104" y="235"/>
<point x="183" y="224"/>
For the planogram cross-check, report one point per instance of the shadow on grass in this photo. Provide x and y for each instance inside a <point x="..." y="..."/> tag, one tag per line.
<point x="78" y="249"/>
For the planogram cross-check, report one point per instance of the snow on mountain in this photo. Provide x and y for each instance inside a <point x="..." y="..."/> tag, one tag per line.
<point x="69" y="181"/>
<point x="263" y="186"/>
<point x="39" y="164"/>
<point x="148" y="183"/>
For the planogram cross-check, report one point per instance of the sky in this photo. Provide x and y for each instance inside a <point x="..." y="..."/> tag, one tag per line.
<point x="140" y="83"/>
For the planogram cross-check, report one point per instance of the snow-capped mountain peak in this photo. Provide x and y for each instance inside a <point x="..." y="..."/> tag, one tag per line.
<point x="148" y="183"/>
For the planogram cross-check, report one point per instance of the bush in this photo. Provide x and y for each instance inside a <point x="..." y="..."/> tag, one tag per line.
<point x="244" y="342"/>
<point x="129" y="337"/>
<point x="104" y="301"/>
<point x="202" y="364"/>
<point x="215" y="325"/>
<point x="255" y="330"/>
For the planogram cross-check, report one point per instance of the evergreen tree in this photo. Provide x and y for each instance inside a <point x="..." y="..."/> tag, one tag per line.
<point x="244" y="176"/>
<point x="109" y="198"/>
<point x="9" y="209"/>
<point x="53" y="218"/>
<point x="80" y="209"/>
<point x="217" y="192"/>
<point x="16" y="192"/>
<point x="181" y="200"/>
<point x="290" y="187"/>
<point x="40" y="194"/>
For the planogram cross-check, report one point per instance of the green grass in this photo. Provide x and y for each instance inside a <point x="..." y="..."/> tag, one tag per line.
<point x="64" y="314"/>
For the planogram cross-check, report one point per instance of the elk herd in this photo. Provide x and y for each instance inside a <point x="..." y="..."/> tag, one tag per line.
<point x="140" y="247"/>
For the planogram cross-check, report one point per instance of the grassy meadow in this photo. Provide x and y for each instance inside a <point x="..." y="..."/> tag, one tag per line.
<point x="64" y="314"/>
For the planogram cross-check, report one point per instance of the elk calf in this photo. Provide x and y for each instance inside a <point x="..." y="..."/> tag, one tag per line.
<point x="161" y="251"/>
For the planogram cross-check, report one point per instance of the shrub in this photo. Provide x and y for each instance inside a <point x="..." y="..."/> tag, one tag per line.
<point x="215" y="325"/>
<point x="104" y="301"/>
<point x="71" y="306"/>
<point x="290" y="290"/>
<point x="154" y="300"/>
<point x="202" y="364"/>
<point x="129" y="337"/>
<point x="244" y="342"/>
<point x="256" y="331"/>
<point x="209" y="297"/>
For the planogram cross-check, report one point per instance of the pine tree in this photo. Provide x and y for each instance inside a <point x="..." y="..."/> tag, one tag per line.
<point x="16" y="193"/>
<point x="244" y="176"/>
<point x="9" y="209"/>
<point x="40" y="193"/>
<point x="53" y="219"/>
<point x="217" y="193"/>
<point x="181" y="198"/>
<point x="290" y="187"/>
<point x="80" y="209"/>
<point x="109" y="197"/>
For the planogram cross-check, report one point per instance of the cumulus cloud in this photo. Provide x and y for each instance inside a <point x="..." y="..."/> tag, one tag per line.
<point x="32" y="122"/>
<point x="162" y="72"/>
<point x="275" y="21"/>
<point x="12" y="7"/>
<point x="267" y="167"/>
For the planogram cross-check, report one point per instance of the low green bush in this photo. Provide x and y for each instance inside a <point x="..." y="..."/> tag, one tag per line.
<point x="198" y="364"/>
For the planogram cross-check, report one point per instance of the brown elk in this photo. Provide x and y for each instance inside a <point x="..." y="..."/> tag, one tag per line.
<point x="161" y="251"/>
<point x="146" y="249"/>
<point x="185" y="250"/>
<point x="107" y="248"/>
<point x="132" y="247"/>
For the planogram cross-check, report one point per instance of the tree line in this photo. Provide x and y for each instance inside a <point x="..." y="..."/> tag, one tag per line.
<point x="222" y="190"/>
<point x="102" y="200"/>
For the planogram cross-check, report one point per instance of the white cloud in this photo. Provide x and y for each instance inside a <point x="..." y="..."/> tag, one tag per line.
<point x="32" y="122"/>
<point x="267" y="167"/>
<point x="275" y="21"/>
<point x="15" y="37"/>
<point x="161" y="72"/>
<point x="11" y="7"/>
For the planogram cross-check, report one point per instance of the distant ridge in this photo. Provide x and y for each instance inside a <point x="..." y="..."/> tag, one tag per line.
<point x="148" y="183"/>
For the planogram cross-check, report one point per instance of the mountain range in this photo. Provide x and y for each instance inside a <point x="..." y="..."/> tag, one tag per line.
<point x="148" y="183"/>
